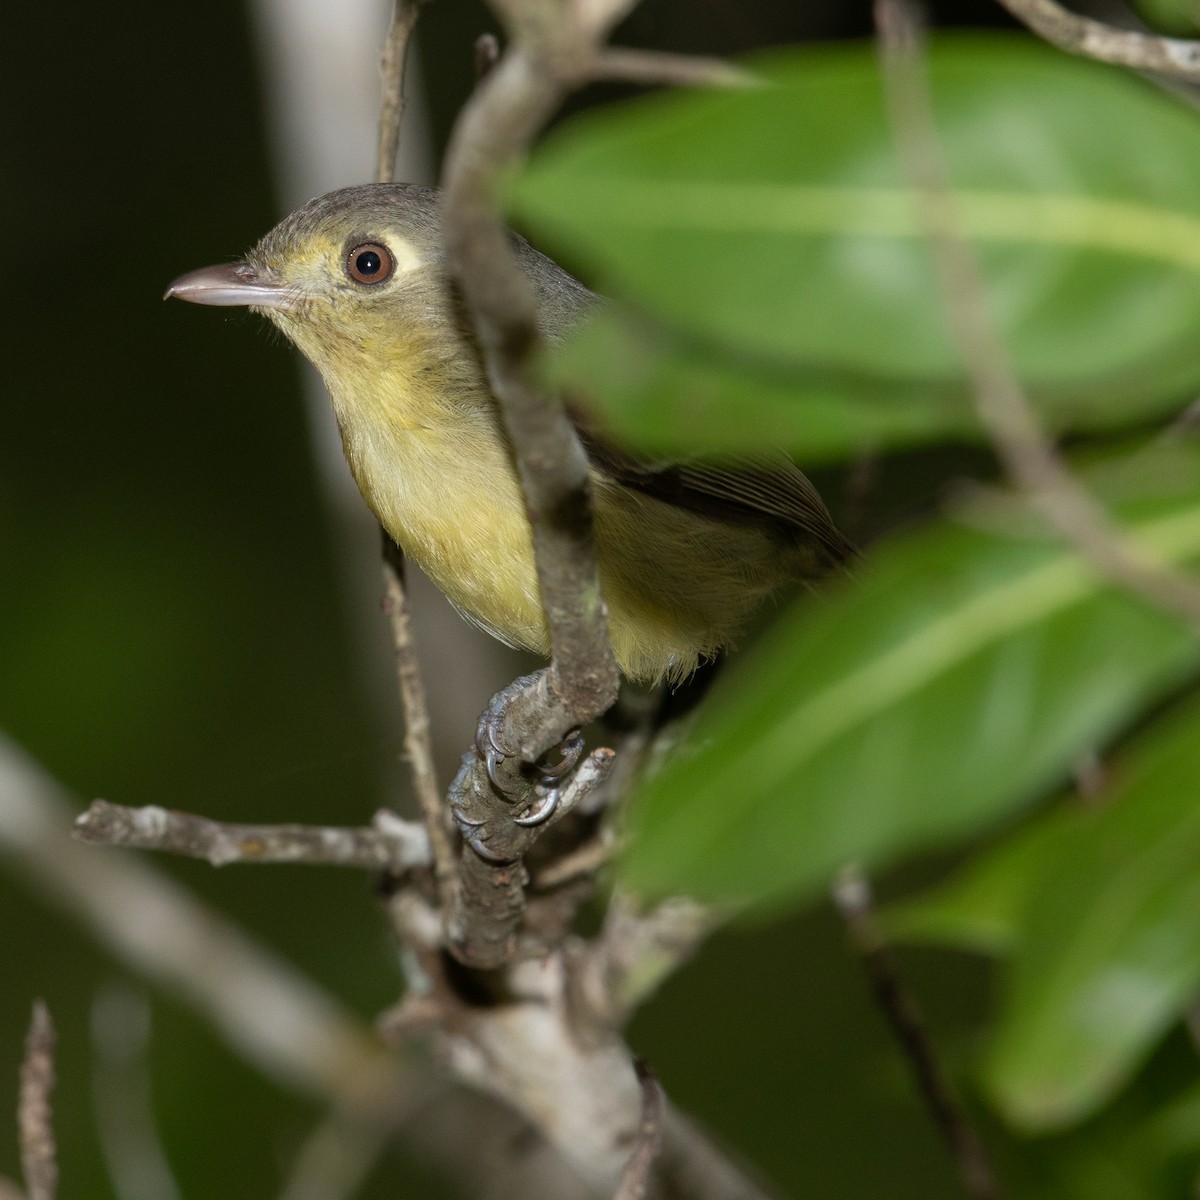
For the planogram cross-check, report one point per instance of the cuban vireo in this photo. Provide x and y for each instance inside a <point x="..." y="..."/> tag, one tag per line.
<point x="687" y="551"/>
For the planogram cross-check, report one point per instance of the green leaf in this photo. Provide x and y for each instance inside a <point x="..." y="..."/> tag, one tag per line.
<point x="671" y="395"/>
<point x="1109" y="952"/>
<point x="770" y="224"/>
<point x="981" y="908"/>
<point x="956" y="678"/>
<point x="1181" y="17"/>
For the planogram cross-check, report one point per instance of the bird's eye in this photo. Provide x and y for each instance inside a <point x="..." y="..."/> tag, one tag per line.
<point x="370" y="263"/>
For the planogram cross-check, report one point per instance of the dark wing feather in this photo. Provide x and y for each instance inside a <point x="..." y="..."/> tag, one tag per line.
<point x="769" y="490"/>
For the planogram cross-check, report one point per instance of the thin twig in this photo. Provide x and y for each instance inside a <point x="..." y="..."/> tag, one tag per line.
<point x="1005" y="410"/>
<point x="272" y="1014"/>
<point x="335" y="1159"/>
<point x="35" y="1117"/>
<point x="852" y="895"/>
<point x="635" y="1179"/>
<point x="652" y="68"/>
<point x="487" y="54"/>
<point x="1093" y="39"/>
<point x="418" y="742"/>
<point x="392" y="69"/>
<point x="636" y="951"/>
<point x="137" y="1162"/>
<point x="394" y="844"/>
<point x="695" y="1166"/>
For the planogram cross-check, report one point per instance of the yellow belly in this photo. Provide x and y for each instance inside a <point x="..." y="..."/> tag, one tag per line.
<point x="451" y="499"/>
<point x="677" y="585"/>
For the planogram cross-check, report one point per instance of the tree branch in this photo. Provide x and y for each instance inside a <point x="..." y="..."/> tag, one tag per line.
<point x="35" y="1117"/>
<point x="636" y="951"/>
<point x="122" y="1096"/>
<point x="623" y="64"/>
<point x="393" y="844"/>
<point x="418" y="743"/>
<point x="493" y="132"/>
<point x="482" y="924"/>
<point x="269" y="1012"/>
<point x="852" y="896"/>
<point x="635" y="1179"/>
<point x="1068" y="31"/>
<point x="392" y="69"/>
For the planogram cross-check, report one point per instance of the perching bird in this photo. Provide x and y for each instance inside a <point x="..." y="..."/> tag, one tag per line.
<point x="687" y="551"/>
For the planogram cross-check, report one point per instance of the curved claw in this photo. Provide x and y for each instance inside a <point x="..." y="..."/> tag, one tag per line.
<point x="571" y="747"/>
<point x="492" y="755"/>
<point x="492" y="759"/>
<point x="543" y="812"/>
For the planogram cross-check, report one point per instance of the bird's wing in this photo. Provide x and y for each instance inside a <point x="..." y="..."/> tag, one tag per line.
<point x="770" y="489"/>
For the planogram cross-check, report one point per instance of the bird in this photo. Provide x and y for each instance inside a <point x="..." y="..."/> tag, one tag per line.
<point x="687" y="550"/>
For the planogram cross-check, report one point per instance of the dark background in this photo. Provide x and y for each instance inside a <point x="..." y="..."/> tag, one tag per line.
<point x="174" y="630"/>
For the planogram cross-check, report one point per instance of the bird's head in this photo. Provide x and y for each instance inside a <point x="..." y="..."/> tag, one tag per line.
<point x="351" y="278"/>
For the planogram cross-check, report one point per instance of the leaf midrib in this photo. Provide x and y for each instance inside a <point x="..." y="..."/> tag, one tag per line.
<point x="1081" y="222"/>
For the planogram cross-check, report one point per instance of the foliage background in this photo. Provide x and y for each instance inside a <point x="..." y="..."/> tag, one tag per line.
<point x="174" y="629"/>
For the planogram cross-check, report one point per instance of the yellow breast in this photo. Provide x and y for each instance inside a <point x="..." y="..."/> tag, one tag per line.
<point x="447" y="490"/>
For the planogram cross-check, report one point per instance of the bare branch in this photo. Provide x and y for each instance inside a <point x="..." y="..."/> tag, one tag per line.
<point x="269" y="1012"/>
<point x="852" y="895"/>
<point x="335" y="1159"/>
<point x="392" y="69"/>
<point x="554" y="48"/>
<point x="493" y="132"/>
<point x="570" y="1077"/>
<point x="393" y="844"/>
<point x="693" y="1165"/>
<point x="621" y="64"/>
<point x="587" y="860"/>
<point x="1005" y="410"/>
<point x="635" y="1179"/>
<point x="487" y="54"/>
<point x="1093" y="39"/>
<point x="138" y="1167"/>
<point x="636" y="951"/>
<point x="35" y="1117"/>
<point x="418" y="742"/>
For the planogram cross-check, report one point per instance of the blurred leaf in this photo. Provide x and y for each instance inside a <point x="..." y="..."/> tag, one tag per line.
<point x="1109" y="950"/>
<point x="771" y="225"/>
<point x="1174" y="1129"/>
<point x="1141" y="1147"/>
<point x="982" y="907"/>
<point x="1170" y="16"/>
<point x="668" y="393"/>
<point x="1100" y="910"/>
<point x="958" y="676"/>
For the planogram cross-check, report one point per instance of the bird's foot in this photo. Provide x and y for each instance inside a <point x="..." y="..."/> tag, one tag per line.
<point x="523" y="795"/>
<point x="509" y="773"/>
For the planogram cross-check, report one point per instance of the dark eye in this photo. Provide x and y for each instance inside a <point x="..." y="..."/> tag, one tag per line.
<point x="372" y="262"/>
